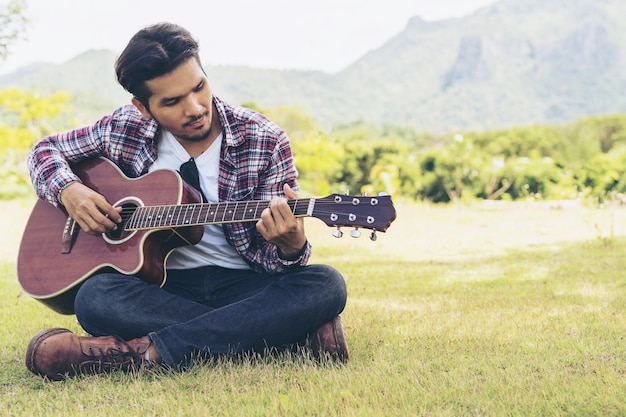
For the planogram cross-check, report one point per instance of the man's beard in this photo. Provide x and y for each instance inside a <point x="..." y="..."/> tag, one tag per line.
<point x="200" y="136"/>
<point x="196" y="138"/>
<point x="193" y="138"/>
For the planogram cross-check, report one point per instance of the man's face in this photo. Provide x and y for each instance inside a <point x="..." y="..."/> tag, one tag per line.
<point x="181" y="102"/>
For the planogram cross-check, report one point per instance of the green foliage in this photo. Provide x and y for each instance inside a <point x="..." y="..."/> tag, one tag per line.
<point x="453" y="170"/>
<point x="26" y="118"/>
<point x="374" y="160"/>
<point x="532" y="141"/>
<point x="604" y="176"/>
<point x="318" y="159"/>
<point x="585" y="158"/>
<point x="539" y="162"/>
<point x="607" y="131"/>
<point x="600" y="173"/>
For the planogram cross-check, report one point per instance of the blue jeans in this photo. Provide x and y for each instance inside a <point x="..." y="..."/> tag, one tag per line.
<point x="212" y="310"/>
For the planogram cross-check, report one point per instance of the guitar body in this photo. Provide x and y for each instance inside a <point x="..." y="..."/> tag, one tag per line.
<point x="54" y="277"/>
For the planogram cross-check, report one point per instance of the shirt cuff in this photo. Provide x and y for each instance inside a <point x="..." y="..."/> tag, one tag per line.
<point x="301" y="260"/>
<point x="61" y="190"/>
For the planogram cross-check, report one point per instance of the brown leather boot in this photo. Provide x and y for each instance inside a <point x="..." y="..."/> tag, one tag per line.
<point x="59" y="353"/>
<point x="329" y="341"/>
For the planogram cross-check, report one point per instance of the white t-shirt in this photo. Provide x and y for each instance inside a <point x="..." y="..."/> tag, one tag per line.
<point x="213" y="249"/>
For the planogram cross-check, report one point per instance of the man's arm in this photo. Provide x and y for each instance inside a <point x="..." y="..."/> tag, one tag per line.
<point x="124" y="137"/>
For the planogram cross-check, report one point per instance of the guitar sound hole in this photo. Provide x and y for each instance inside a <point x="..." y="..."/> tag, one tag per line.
<point x="127" y="211"/>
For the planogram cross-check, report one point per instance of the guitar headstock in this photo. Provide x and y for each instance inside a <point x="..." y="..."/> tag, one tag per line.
<point x="375" y="213"/>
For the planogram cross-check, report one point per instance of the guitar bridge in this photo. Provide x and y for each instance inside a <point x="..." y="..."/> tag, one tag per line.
<point x="69" y="233"/>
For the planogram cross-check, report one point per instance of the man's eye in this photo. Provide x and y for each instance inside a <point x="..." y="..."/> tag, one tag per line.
<point x="199" y="87"/>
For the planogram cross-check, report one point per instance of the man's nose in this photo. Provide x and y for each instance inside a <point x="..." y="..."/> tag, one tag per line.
<point x="192" y="107"/>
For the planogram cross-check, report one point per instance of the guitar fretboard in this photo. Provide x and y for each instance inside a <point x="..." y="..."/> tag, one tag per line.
<point x="152" y="217"/>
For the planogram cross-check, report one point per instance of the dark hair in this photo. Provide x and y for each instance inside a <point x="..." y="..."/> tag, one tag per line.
<point x="153" y="51"/>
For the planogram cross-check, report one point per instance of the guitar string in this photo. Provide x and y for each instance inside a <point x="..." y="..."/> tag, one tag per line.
<point x="128" y="212"/>
<point x="321" y="207"/>
<point x="226" y="204"/>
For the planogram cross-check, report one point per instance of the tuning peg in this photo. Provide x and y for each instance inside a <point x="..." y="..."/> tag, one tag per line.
<point x="337" y="233"/>
<point x="373" y="236"/>
<point x="355" y="233"/>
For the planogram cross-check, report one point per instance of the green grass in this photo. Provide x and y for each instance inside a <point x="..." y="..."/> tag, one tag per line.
<point x="508" y="310"/>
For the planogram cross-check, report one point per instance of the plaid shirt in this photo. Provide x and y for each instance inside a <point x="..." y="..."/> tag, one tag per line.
<point x="255" y="162"/>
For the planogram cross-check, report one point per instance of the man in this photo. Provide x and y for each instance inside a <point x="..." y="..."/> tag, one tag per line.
<point x="245" y="287"/>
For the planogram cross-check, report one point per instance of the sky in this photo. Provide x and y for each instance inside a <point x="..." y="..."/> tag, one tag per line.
<point x="325" y="35"/>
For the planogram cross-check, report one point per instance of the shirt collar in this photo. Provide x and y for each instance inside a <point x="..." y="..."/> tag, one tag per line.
<point x="231" y="139"/>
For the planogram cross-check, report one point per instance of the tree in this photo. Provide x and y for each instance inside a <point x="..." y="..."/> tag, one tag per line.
<point x="25" y="117"/>
<point x="454" y="167"/>
<point x="12" y="24"/>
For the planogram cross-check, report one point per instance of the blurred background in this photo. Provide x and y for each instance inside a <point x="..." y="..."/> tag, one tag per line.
<point x="440" y="102"/>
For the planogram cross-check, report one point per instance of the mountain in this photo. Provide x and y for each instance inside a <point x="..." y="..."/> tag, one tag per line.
<point x="516" y="62"/>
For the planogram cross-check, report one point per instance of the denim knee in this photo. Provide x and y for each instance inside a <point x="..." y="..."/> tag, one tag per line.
<point x="95" y="301"/>
<point x="87" y="296"/>
<point x="334" y="284"/>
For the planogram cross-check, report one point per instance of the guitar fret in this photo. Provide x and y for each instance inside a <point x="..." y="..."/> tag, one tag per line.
<point x="248" y="211"/>
<point x="141" y="220"/>
<point x="144" y="218"/>
<point x="197" y="211"/>
<point x="223" y="207"/>
<point x="176" y="215"/>
<point x="203" y="213"/>
<point x="186" y="220"/>
<point x="152" y="217"/>
<point x="178" y="211"/>
<point x="229" y="210"/>
<point x="186" y="215"/>
<point x="166" y="217"/>
<point x="214" y="212"/>
<point x="244" y="211"/>
<point x="162" y="215"/>
<point x="169" y="217"/>
<point x="235" y="212"/>
<point x="156" y="213"/>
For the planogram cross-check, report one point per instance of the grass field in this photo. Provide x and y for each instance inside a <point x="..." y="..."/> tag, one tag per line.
<point x="482" y="310"/>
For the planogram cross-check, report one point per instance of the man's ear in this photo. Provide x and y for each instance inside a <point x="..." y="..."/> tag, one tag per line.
<point x="144" y="112"/>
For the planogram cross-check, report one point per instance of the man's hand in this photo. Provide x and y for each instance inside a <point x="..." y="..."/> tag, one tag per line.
<point x="91" y="210"/>
<point x="279" y="226"/>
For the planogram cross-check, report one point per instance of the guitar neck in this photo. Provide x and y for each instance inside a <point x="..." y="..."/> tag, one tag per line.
<point x="154" y="217"/>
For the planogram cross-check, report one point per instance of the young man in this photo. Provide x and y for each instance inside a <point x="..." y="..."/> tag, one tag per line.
<point x="245" y="287"/>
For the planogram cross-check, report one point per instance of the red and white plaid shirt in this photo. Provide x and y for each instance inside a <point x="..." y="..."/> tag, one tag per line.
<point x="255" y="162"/>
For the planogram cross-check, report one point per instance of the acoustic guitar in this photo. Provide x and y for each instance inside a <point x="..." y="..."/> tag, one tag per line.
<point x="160" y="212"/>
